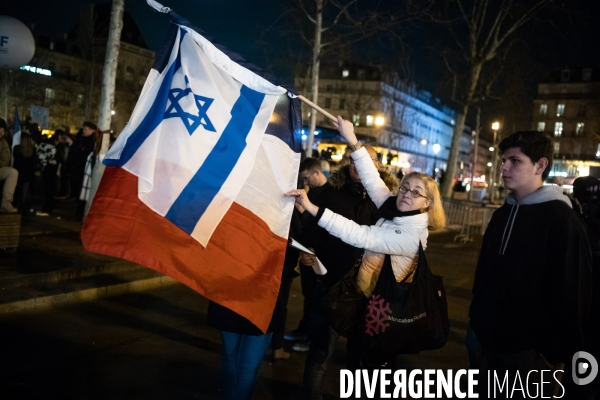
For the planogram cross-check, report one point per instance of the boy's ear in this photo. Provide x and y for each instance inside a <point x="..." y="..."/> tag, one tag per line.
<point x="541" y="165"/>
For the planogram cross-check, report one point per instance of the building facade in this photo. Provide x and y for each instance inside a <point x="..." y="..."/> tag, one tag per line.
<point x="567" y="108"/>
<point x="65" y="77"/>
<point x="410" y="129"/>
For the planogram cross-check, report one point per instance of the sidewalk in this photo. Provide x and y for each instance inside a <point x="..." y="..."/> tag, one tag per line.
<point x="50" y="266"/>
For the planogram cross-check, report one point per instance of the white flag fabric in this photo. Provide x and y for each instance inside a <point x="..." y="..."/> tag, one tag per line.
<point x="194" y="135"/>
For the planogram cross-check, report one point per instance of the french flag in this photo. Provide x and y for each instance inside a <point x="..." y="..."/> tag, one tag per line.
<point x="194" y="184"/>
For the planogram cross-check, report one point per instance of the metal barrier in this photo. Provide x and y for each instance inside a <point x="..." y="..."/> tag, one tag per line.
<point x="468" y="218"/>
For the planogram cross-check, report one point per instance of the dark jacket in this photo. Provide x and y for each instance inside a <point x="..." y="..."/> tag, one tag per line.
<point x="25" y="165"/>
<point x="79" y="151"/>
<point x="532" y="286"/>
<point x="348" y="199"/>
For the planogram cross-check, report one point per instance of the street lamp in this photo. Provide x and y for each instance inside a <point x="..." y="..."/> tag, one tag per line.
<point x="436" y="149"/>
<point x="494" y="148"/>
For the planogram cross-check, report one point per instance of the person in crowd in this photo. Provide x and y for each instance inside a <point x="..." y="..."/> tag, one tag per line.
<point x="25" y="159"/>
<point x="46" y="151"/>
<point x="65" y="141"/>
<point x="244" y="345"/>
<point x="7" y="174"/>
<point x="345" y="194"/>
<point x="586" y="203"/>
<point x="533" y="284"/>
<point x="407" y="218"/>
<point x="84" y="144"/>
<point x="312" y="176"/>
<point x="289" y="273"/>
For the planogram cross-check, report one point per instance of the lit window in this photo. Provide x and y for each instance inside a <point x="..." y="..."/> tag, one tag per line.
<point x="49" y="94"/>
<point x="327" y="102"/>
<point x="579" y="128"/>
<point x="51" y="45"/>
<point x="541" y="126"/>
<point x="560" y="110"/>
<point x="345" y="73"/>
<point x="370" y="120"/>
<point x="356" y="119"/>
<point x="556" y="147"/>
<point x="543" y="109"/>
<point x="558" y="127"/>
<point x="598" y="151"/>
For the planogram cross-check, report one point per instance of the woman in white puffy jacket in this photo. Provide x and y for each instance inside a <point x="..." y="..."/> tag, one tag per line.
<point x="406" y="218"/>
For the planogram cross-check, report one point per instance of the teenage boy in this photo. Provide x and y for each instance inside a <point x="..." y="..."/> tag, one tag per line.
<point x="532" y="289"/>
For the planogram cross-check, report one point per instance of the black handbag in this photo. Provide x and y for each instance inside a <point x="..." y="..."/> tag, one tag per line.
<point x="344" y="304"/>
<point x="406" y="317"/>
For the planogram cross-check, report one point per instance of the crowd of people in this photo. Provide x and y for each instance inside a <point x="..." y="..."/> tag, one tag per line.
<point x="534" y="304"/>
<point x="35" y="169"/>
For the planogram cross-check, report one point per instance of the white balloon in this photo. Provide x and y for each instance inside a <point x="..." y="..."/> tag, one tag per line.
<point x="16" y="43"/>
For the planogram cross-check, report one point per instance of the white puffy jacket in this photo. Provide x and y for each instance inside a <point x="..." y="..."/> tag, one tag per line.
<point x="398" y="237"/>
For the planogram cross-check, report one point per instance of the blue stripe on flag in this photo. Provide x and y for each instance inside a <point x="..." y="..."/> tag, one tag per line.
<point x="208" y="180"/>
<point x="152" y="119"/>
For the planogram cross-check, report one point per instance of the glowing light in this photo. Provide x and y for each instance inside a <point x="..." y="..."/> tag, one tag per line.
<point x="37" y="70"/>
<point x="304" y="137"/>
<point x="436" y="148"/>
<point x="491" y="148"/>
<point x="112" y="112"/>
<point x="379" y="121"/>
<point x="423" y="142"/>
<point x="489" y="164"/>
<point x="496" y="125"/>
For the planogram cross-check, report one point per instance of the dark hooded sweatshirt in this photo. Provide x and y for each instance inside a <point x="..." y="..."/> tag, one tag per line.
<point x="532" y="286"/>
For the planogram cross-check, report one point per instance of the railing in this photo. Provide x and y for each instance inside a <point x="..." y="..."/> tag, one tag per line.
<point x="468" y="218"/>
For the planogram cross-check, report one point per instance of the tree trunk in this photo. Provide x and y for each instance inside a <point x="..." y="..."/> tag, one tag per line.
<point x="459" y="126"/>
<point x="316" y="61"/>
<point x="108" y="92"/>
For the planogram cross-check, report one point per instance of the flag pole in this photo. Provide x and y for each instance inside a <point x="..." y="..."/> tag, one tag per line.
<point x="317" y="108"/>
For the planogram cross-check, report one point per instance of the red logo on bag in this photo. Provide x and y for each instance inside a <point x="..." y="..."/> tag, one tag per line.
<point x="378" y="313"/>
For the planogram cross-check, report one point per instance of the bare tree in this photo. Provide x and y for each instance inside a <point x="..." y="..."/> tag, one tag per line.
<point x="489" y="26"/>
<point x="335" y="25"/>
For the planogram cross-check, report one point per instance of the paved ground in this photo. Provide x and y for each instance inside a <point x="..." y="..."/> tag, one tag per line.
<point x="155" y="344"/>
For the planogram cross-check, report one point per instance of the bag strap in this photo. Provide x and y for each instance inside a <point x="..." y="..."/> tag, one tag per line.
<point x="422" y="265"/>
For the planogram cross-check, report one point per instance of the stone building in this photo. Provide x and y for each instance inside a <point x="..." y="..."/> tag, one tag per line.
<point x="410" y="128"/>
<point x="65" y="74"/>
<point x="567" y="108"/>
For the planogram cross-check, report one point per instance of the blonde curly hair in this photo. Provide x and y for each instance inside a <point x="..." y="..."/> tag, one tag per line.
<point x="435" y="212"/>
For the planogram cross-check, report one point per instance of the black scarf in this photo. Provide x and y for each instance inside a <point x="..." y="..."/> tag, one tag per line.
<point x="389" y="210"/>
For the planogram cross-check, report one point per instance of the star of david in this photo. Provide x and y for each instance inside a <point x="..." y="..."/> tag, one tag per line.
<point x="191" y="121"/>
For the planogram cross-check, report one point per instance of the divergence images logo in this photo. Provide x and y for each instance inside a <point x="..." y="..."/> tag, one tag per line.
<point x="585" y="368"/>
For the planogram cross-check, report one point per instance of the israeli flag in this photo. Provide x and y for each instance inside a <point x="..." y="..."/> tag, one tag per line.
<point x="194" y="134"/>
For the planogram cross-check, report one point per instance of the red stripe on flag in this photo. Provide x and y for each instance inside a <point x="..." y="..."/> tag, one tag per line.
<point x="239" y="269"/>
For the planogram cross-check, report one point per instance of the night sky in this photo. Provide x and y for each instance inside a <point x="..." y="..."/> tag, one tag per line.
<point x="236" y="24"/>
<point x="557" y="41"/>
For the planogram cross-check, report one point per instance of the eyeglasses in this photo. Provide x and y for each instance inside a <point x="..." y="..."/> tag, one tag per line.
<point x="374" y="159"/>
<point x="414" y="193"/>
<point x="307" y="177"/>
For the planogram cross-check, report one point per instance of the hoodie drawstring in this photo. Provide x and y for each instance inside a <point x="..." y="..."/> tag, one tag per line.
<point x="504" y="243"/>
